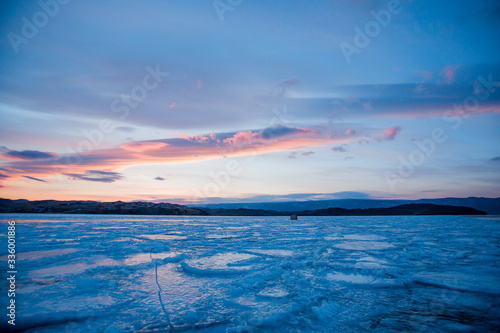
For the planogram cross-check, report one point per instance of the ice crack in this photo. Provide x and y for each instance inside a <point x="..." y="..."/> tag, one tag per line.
<point x="171" y="327"/>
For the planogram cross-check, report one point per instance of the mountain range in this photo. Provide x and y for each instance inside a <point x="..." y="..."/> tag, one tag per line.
<point x="149" y="208"/>
<point x="489" y="205"/>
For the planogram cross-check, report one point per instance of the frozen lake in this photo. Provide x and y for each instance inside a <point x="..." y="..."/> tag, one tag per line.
<point x="97" y="273"/>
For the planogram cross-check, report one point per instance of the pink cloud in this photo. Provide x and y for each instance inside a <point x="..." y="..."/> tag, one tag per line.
<point x="243" y="138"/>
<point x="449" y="73"/>
<point x="274" y="139"/>
<point x="269" y="134"/>
<point x="143" y="146"/>
<point x="196" y="138"/>
<point x="391" y="132"/>
<point x="350" y="132"/>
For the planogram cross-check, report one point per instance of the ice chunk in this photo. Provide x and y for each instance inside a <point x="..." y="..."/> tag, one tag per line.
<point x="351" y="278"/>
<point x="142" y="258"/>
<point x="221" y="263"/>
<point x="220" y="236"/>
<point x="60" y="270"/>
<point x="275" y="253"/>
<point x="333" y="237"/>
<point x="163" y="237"/>
<point x="370" y="263"/>
<point x="35" y="255"/>
<point x="326" y="311"/>
<point x="363" y="245"/>
<point x="274" y="292"/>
<point x="364" y="237"/>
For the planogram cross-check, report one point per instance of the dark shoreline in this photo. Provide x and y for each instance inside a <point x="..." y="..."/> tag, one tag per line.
<point x="148" y="208"/>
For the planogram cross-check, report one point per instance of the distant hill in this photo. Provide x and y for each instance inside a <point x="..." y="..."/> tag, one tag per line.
<point x="148" y="208"/>
<point x="409" y="209"/>
<point x="95" y="207"/>
<point x="489" y="205"/>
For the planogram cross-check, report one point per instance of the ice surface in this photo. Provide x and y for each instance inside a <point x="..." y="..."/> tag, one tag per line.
<point x="221" y="263"/>
<point x="362" y="245"/>
<point x="277" y="253"/>
<point x="91" y="273"/>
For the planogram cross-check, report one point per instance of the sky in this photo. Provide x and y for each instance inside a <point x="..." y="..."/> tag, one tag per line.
<point x="206" y="101"/>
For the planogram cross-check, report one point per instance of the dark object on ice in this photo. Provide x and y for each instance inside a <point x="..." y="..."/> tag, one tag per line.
<point x="293" y="217"/>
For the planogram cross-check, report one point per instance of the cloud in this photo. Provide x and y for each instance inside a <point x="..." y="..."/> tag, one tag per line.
<point x="37" y="179"/>
<point x="350" y="132"/>
<point x="449" y="73"/>
<point x="280" y="131"/>
<point x="392" y="132"/>
<point x="426" y="75"/>
<point x="3" y="176"/>
<point x="126" y="129"/>
<point x="174" y="150"/>
<point x="495" y="159"/>
<point x="97" y="176"/>
<point x="415" y="100"/>
<point x="243" y="138"/>
<point x="142" y="146"/>
<point x="367" y="105"/>
<point x="271" y="198"/>
<point x="285" y="84"/>
<point x="159" y="178"/>
<point x="367" y="142"/>
<point x="27" y="155"/>
<point x="341" y="149"/>
<point x="269" y="133"/>
<point x="294" y="154"/>
<point x="351" y="195"/>
<point x="198" y="138"/>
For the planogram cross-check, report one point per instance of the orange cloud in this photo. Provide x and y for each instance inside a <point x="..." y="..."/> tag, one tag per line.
<point x="175" y="150"/>
<point x="143" y="146"/>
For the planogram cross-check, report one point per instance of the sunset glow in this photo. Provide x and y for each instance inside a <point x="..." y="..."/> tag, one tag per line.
<point x="176" y="102"/>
